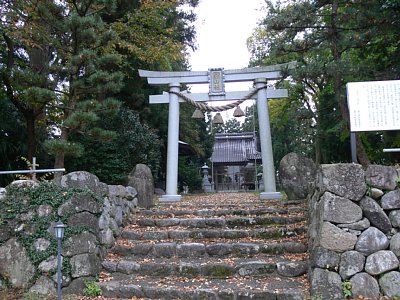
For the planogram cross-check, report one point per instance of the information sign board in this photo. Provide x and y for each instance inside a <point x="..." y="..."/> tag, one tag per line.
<point x="374" y="105"/>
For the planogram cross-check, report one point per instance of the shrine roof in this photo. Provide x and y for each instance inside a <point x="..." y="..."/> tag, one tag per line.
<point x="235" y="148"/>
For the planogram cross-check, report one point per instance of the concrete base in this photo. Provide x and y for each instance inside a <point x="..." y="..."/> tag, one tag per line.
<point x="270" y="195"/>
<point x="170" y="198"/>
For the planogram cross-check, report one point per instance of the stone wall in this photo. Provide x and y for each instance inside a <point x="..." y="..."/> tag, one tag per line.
<point x="354" y="238"/>
<point x="99" y="222"/>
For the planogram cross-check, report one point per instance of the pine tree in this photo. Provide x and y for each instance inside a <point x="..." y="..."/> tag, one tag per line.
<point x="327" y="38"/>
<point x="61" y="66"/>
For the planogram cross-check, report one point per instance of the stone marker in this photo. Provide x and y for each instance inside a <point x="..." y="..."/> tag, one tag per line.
<point x="142" y="180"/>
<point x="297" y="174"/>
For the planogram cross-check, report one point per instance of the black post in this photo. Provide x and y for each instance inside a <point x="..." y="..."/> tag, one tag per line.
<point x="58" y="269"/>
<point x="353" y="145"/>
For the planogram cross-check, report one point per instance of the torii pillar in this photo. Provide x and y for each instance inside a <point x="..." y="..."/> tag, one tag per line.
<point x="171" y="188"/>
<point x="216" y="79"/>
<point x="266" y="143"/>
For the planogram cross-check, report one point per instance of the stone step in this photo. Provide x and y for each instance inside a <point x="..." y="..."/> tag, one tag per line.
<point x="230" y="203"/>
<point x="218" y="212"/>
<point x="195" y="234"/>
<point x="221" y="246"/>
<point x="195" y="250"/>
<point x="202" y="288"/>
<point x="219" y="222"/>
<point x="207" y="267"/>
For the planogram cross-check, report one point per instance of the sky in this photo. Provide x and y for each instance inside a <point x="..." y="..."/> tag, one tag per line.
<point x="223" y="27"/>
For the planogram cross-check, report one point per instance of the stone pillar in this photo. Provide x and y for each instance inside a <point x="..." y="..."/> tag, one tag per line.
<point x="266" y="143"/>
<point x="171" y="191"/>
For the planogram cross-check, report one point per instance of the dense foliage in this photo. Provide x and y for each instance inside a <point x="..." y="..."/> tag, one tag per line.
<point x="112" y="161"/>
<point x="333" y="42"/>
<point x="69" y="83"/>
<point x="70" y="93"/>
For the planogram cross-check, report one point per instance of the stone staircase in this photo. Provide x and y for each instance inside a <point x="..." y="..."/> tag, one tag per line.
<point x="216" y="246"/>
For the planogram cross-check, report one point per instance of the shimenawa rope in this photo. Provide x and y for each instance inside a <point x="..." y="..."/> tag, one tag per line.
<point x="205" y="107"/>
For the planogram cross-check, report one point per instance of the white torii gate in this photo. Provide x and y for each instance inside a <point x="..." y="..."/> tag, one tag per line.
<point x="216" y="79"/>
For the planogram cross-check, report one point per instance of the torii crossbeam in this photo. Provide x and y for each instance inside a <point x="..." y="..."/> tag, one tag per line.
<point x="216" y="79"/>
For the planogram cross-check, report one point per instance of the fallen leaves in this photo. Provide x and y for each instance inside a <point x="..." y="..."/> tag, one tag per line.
<point x="105" y="277"/>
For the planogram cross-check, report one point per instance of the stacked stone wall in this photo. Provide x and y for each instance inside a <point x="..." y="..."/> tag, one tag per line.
<point x="93" y="226"/>
<point x="354" y="232"/>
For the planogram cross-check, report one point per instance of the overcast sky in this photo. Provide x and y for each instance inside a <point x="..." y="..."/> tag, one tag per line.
<point x="223" y="27"/>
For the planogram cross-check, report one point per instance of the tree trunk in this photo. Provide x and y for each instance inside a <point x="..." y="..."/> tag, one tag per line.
<point x="362" y="155"/>
<point x="60" y="156"/>
<point x="31" y="138"/>
<point x="338" y="83"/>
<point x="317" y="146"/>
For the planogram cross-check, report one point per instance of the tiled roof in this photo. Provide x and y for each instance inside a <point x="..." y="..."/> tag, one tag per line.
<point x="235" y="148"/>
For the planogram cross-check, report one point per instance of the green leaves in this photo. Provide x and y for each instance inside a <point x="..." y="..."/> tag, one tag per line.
<point x="112" y="154"/>
<point x="92" y="289"/>
<point x="346" y="285"/>
<point x="80" y="119"/>
<point x="334" y="42"/>
<point x="55" y="146"/>
<point x="67" y="64"/>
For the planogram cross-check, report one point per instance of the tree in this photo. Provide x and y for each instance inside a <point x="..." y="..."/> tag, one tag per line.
<point x="250" y="122"/>
<point x="292" y="127"/>
<point x="89" y="67"/>
<point x="326" y="38"/>
<point x="230" y="126"/>
<point x="65" y="60"/>
<point x="12" y="128"/>
<point x="24" y="60"/>
<point x="83" y="66"/>
<point x="112" y="161"/>
<point x="155" y="35"/>
<point x="61" y="66"/>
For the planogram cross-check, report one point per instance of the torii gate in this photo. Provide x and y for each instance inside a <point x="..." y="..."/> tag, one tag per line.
<point x="216" y="79"/>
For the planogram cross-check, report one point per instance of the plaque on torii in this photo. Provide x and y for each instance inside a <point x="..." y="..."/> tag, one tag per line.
<point x="216" y="79"/>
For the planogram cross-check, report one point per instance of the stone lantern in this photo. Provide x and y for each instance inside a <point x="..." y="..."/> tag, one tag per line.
<point x="206" y="182"/>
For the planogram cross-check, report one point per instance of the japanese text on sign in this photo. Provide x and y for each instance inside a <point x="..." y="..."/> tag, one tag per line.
<point x="216" y="82"/>
<point x="374" y="105"/>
